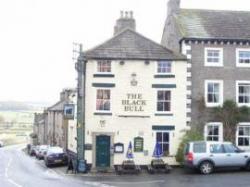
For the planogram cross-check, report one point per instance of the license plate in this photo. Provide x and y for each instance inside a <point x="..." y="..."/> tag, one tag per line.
<point x="58" y="161"/>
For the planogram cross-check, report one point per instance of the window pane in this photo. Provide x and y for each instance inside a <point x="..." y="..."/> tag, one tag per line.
<point x="210" y="87"/>
<point x="159" y="137"/>
<point x="166" y="106"/>
<point x="229" y="148"/>
<point x="216" y="148"/>
<point x="160" y="106"/>
<point x="165" y="137"/>
<point x="160" y="95"/>
<point x="240" y="141"/>
<point x="167" y="95"/>
<point x="104" y="66"/>
<point x="166" y="148"/>
<point x="199" y="147"/>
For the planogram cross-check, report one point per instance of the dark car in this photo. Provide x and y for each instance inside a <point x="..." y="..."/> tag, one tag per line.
<point x="32" y="150"/>
<point x="55" y="156"/>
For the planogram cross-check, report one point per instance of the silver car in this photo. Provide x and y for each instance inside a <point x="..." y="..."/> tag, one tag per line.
<point x="206" y="156"/>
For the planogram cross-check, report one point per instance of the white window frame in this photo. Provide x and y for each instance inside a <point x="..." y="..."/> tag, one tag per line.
<point x="95" y="101"/>
<point x="220" y="103"/>
<point x="171" y="101"/>
<point x="166" y="73"/>
<point x="98" y="72"/>
<point x="219" y="124"/>
<point x="213" y="64"/>
<point x="242" y="124"/>
<point x="237" y="92"/>
<point x="238" y="57"/>
<point x="169" y="141"/>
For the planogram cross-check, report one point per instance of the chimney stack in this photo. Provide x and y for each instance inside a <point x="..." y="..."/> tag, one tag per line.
<point x="125" y="21"/>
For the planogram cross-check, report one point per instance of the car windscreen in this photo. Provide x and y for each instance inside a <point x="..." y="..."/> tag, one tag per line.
<point x="55" y="151"/>
<point x="199" y="147"/>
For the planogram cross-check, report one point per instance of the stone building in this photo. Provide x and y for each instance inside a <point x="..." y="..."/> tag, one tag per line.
<point x="57" y="128"/>
<point x="39" y="129"/>
<point x="216" y="42"/>
<point x="135" y="91"/>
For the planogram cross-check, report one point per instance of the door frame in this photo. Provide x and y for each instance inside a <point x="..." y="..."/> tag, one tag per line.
<point x="94" y="135"/>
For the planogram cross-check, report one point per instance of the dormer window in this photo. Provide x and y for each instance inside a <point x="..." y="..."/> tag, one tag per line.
<point x="104" y="66"/>
<point x="164" y="67"/>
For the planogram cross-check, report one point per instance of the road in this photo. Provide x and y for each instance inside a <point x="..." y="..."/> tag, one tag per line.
<point x="19" y="170"/>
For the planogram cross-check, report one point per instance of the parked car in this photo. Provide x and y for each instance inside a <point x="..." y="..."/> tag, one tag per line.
<point x="1" y="144"/>
<point x="206" y="156"/>
<point x="32" y="151"/>
<point x="55" y="156"/>
<point x="41" y="151"/>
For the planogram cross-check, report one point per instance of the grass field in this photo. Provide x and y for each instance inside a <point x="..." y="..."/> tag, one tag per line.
<point x="16" y="127"/>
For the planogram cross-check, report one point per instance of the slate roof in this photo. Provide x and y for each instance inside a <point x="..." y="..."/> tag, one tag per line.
<point x="130" y="45"/>
<point x="218" y="24"/>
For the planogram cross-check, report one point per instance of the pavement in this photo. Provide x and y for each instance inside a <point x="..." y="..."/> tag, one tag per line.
<point x="17" y="169"/>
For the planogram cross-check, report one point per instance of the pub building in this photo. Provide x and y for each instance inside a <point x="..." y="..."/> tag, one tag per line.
<point x="135" y="91"/>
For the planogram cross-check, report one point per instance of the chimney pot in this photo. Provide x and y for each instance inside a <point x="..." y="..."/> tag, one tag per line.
<point x="122" y="14"/>
<point x="126" y="14"/>
<point x="125" y="21"/>
<point x="131" y="14"/>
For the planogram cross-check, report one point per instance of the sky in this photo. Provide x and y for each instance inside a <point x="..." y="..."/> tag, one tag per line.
<point x="36" y="38"/>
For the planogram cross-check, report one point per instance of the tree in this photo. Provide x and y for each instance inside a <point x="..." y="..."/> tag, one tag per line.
<point x="230" y="115"/>
<point x="190" y="135"/>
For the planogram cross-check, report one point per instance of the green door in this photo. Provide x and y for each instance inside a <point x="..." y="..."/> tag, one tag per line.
<point x="102" y="151"/>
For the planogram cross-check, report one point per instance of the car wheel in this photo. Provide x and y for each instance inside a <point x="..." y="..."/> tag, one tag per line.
<point x="206" y="167"/>
<point x="248" y="166"/>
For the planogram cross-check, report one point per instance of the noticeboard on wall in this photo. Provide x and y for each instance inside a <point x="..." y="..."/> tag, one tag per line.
<point x="119" y="148"/>
<point x="138" y="144"/>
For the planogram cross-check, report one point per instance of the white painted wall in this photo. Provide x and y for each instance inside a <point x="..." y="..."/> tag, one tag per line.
<point x="125" y="129"/>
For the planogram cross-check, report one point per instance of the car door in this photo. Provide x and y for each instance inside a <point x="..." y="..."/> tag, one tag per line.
<point x="234" y="157"/>
<point x="217" y="154"/>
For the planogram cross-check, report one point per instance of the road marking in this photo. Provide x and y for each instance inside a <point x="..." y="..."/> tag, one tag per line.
<point x="97" y="184"/>
<point x="7" y="176"/>
<point x="137" y="182"/>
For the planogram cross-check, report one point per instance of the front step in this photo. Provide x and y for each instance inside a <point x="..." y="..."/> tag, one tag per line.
<point x="102" y="170"/>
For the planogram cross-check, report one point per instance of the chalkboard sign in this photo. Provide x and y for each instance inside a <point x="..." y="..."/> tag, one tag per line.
<point x="82" y="166"/>
<point x="138" y="144"/>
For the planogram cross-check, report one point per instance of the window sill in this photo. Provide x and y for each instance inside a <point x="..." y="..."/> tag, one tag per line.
<point x="243" y="104"/>
<point x="103" y="75"/>
<point x="208" y="64"/>
<point x="164" y="76"/>
<point x="242" y="65"/>
<point x="164" y="114"/>
<point x="103" y="113"/>
<point x="212" y="105"/>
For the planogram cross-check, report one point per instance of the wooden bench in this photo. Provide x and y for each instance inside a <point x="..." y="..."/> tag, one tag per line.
<point x="128" y="167"/>
<point x="158" y="166"/>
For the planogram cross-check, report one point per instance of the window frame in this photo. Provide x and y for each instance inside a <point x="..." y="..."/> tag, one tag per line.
<point x="212" y="64"/>
<point x="110" y="101"/>
<point x="97" y="67"/>
<point x="171" y="101"/>
<point x="165" y="73"/>
<point x="243" y="65"/>
<point x="237" y="92"/>
<point x="169" y="141"/>
<point x="243" y="124"/>
<point x="221" y="91"/>
<point x="220" y="135"/>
